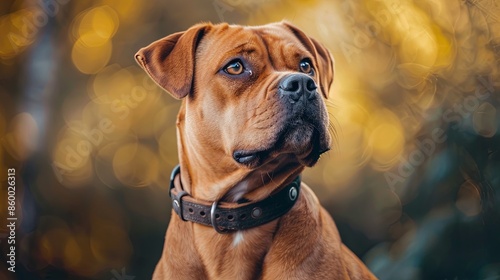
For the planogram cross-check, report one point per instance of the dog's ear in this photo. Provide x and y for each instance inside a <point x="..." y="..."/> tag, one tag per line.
<point x="323" y="59"/>
<point x="170" y="60"/>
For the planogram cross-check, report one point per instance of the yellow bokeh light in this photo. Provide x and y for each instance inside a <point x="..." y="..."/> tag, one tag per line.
<point x="3" y="124"/>
<point x="352" y="107"/>
<point x="147" y="106"/>
<point x="126" y="97"/>
<point x="419" y="47"/>
<point x="87" y="265"/>
<point x="105" y="21"/>
<point x="469" y="199"/>
<point x="110" y="244"/>
<point x="22" y="137"/>
<point x="53" y="241"/>
<point x="106" y="122"/>
<point x="72" y="253"/>
<point x="19" y="30"/>
<point x="93" y="30"/>
<point x="89" y="60"/>
<point x="127" y="9"/>
<point x="168" y="143"/>
<point x="110" y="84"/>
<point x="97" y="26"/>
<point x="135" y="165"/>
<point x="71" y="159"/>
<point x="387" y="143"/>
<point x="386" y="139"/>
<point x="92" y="40"/>
<point x="104" y="160"/>
<point x="484" y="120"/>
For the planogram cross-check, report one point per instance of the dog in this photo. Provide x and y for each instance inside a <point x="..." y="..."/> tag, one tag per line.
<point x="253" y="116"/>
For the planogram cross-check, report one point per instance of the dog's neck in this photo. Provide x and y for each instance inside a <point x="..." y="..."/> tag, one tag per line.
<point x="228" y="181"/>
<point x="225" y="251"/>
<point x="236" y="185"/>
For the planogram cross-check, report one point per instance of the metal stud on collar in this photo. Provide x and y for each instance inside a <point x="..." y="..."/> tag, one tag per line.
<point x="293" y="193"/>
<point x="178" y="203"/>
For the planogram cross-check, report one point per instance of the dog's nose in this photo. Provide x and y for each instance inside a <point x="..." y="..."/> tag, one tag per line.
<point x="297" y="85"/>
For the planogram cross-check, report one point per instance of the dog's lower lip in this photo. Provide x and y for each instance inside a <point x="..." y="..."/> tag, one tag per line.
<point x="244" y="157"/>
<point x="324" y="150"/>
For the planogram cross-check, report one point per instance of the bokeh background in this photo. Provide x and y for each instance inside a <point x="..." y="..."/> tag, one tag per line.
<point x="413" y="180"/>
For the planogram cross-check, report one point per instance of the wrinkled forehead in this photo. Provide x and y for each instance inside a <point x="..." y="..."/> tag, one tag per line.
<point x="273" y="41"/>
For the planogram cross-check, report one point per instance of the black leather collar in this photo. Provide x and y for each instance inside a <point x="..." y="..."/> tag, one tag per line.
<point x="226" y="217"/>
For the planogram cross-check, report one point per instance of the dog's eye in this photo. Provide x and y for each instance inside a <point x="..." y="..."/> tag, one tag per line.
<point x="234" y="68"/>
<point x="305" y="66"/>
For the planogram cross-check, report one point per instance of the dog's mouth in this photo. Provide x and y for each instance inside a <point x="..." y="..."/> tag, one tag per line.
<point x="302" y="139"/>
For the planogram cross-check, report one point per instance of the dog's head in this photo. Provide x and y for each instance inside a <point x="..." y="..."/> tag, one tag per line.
<point x="250" y="93"/>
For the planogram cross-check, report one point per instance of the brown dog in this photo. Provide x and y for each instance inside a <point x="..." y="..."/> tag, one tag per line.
<point x="252" y="117"/>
